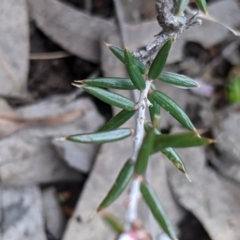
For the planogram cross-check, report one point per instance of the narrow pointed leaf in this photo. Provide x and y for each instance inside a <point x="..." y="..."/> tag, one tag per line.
<point x="171" y="154"/>
<point x="120" y="184"/>
<point x="175" y="159"/>
<point x="110" y="98"/>
<point x="101" y="137"/>
<point x="160" y="60"/>
<point x="202" y="5"/>
<point x="179" y="140"/>
<point x="114" y="223"/>
<point x="177" y="80"/>
<point x="181" y="5"/>
<point x="133" y="71"/>
<point x="144" y="152"/>
<point x="119" y="53"/>
<point x="173" y="108"/>
<point x="110" y="82"/>
<point x="118" y="120"/>
<point x="157" y="210"/>
<point x="154" y="111"/>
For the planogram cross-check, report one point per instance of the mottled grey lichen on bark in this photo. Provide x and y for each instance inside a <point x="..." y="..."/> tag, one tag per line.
<point x="171" y="27"/>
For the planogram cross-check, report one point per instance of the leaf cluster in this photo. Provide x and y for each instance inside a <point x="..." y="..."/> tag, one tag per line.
<point x="154" y="141"/>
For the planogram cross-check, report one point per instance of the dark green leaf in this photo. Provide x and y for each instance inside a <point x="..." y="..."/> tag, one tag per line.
<point x="160" y="60"/>
<point x="133" y="71"/>
<point x="172" y="107"/>
<point x="157" y="210"/>
<point x="120" y="184"/>
<point x="179" y="140"/>
<point x="175" y="159"/>
<point x="119" y="53"/>
<point x="118" y="120"/>
<point x="110" y="98"/>
<point x="144" y="152"/>
<point x="115" y="224"/>
<point x="110" y="82"/>
<point x="181" y="5"/>
<point x="202" y="5"/>
<point x="101" y="137"/>
<point x="177" y="80"/>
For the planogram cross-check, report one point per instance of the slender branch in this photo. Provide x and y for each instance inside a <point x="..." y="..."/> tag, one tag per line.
<point x="134" y="193"/>
<point x="171" y="27"/>
<point x="142" y="104"/>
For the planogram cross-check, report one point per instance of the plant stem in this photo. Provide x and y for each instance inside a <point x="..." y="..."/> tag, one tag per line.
<point x="134" y="193"/>
<point x="142" y="104"/>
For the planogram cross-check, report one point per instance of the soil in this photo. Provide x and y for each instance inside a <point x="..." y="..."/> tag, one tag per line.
<point x="191" y="228"/>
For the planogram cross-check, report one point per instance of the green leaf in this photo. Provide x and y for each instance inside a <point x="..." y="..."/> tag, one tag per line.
<point x="175" y="159"/>
<point x="157" y="210"/>
<point x="110" y="98"/>
<point x="120" y="184"/>
<point x="114" y="223"/>
<point x="160" y="60"/>
<point x="172" y="107"/>
<point x="171" y="154"/>
<point x="179" y="140"/>
<point x="177" y="80"/>
<point x="144" y="152"/>
<point x="133" y="71"/>
<point x="202" y="5"/>
<point x="233" y="89"/>
<point x="154" y="112"/>
<point x="110" y="82"/>
<point x="117" y="121"/>
<point x="101" y="137"/>
<point x="181" y="5"/>
<point x="119" y="53"/>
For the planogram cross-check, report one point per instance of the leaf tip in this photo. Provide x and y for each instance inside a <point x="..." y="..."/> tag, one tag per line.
<point x="77" y="85"/>
<point x="211" y="141"/>
<point x="61" y="139"/>
<point x="99" y="209"/>
<point x="78" y="81"/>
<point x="188" y="178"/>
<point x="107" y="44"/>
<point x="200" y="131"/>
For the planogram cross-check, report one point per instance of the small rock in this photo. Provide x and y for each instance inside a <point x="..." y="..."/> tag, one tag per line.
<point x="227" y="134"/>
<point x="28" y="156"/>
<point x="22" y="217"/>
<point x="213" y="199"/>
<point x="77" y="156"/>
<point x="53" y="216"/>
<point x="14" y="58"/>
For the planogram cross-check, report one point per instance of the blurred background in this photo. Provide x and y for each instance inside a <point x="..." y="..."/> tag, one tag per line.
<point x="48" y="187"/>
